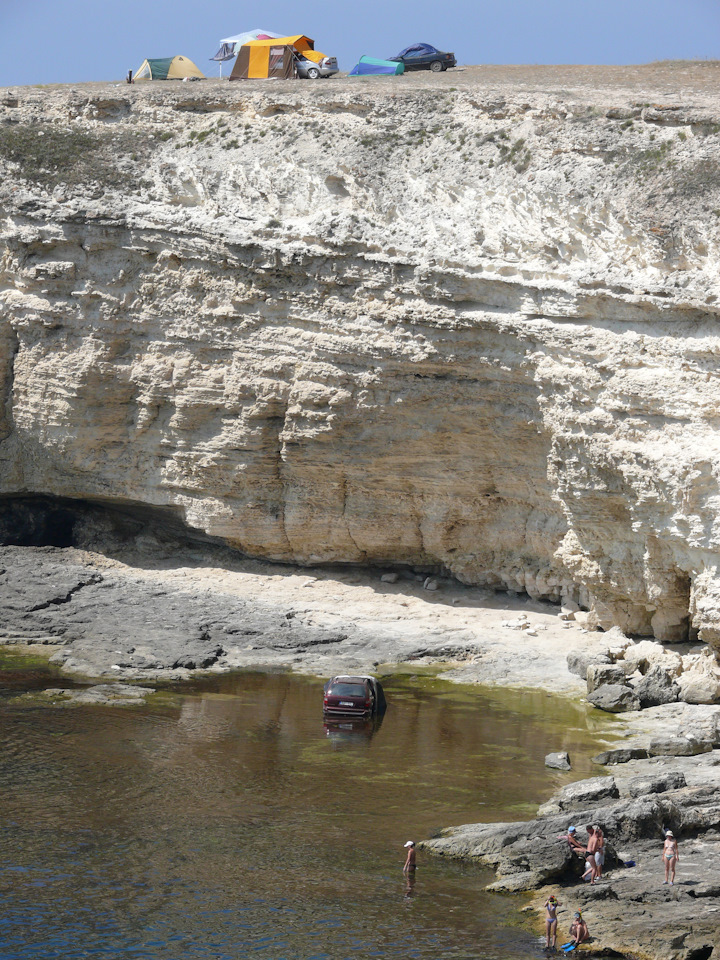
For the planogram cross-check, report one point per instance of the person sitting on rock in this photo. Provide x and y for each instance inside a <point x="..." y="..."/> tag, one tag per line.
<point x="579" y="929"/>
<point x="572" y="839"/>
<point x="671" y="856"/>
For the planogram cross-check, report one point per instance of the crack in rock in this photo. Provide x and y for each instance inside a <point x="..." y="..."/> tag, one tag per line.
<point x="67" y="597"/>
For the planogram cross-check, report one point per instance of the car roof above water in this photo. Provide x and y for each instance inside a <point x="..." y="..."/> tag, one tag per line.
<point x="355" y="678"/>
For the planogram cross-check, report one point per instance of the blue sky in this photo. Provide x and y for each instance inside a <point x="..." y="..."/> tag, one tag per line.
<point x="68" y="41"/>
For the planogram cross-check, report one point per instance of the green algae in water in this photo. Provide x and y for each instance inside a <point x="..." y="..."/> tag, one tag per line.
<point x="20" y="659"/>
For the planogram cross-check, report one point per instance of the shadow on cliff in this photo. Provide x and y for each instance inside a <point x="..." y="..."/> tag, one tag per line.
<point x="157" y="538"/>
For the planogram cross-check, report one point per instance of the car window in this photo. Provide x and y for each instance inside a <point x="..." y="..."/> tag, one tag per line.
<point x="415" y="53"/>
<point x="347" y="690"/>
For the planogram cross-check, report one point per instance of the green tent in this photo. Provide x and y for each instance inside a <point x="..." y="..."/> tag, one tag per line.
<point x="168" y="68"/>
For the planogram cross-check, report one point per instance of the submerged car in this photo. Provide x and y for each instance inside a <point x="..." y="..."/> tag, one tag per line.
<point x="353" y="696"/>
<point x="423" y="56"/>
<point x="313" y="70"/>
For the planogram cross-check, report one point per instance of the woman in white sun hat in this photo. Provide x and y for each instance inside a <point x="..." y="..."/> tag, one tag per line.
<point x="410" y="861"/>
<point x="671" y="856"/>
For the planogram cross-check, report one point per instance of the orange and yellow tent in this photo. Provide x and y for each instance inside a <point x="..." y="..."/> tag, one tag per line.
<point x="259" y="59"/>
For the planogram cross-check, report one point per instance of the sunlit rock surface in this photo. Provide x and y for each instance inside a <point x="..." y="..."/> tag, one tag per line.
<point x="468" y="322"/>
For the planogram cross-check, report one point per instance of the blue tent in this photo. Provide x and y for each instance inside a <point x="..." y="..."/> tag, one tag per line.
<point x="368" y="67"/>
<point x="417" y="49"/>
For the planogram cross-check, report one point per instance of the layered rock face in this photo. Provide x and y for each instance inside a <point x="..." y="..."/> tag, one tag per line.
<point x="470" y="327"/>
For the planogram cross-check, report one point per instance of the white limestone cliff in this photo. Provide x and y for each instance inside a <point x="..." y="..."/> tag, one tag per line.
<point x="474" y="328"/>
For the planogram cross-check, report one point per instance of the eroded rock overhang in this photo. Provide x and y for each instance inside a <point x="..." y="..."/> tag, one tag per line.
<point x="460" y="330"/>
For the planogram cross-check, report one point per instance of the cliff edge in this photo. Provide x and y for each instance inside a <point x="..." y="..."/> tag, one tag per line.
<point x="467" y="322"/>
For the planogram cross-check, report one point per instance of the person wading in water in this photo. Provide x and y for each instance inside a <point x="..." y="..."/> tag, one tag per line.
<point x="410" y="863"/>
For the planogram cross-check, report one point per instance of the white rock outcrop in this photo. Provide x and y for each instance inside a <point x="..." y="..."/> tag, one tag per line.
<point x="470" y="329"/>
<point x="700" y="680"/>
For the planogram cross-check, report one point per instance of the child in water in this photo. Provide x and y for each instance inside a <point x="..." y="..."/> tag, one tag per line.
<point x="551" y="906"/>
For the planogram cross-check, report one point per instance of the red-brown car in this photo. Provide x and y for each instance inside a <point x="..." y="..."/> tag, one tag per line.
<point x="353" y="697"/>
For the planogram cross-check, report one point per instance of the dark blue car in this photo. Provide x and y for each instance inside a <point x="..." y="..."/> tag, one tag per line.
<point x="423" y="56"/>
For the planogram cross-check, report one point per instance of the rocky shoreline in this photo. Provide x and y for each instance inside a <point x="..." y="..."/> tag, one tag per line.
<point x="630" y="912"/>
<point x="664" y="773"/>
<point x="171" y="610"/>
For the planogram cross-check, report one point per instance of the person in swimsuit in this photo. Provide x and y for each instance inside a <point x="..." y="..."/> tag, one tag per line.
<point x="551" y="906"/>
<point x="410" y="863"/>
<point x="671" y="856"/>
<point x="599" y="852"/>
<point x="590" y="863"/>
<point x="579" y="929"/>
<point x="572" y="839"/>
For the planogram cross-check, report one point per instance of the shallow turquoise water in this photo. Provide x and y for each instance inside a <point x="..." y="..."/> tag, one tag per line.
<point x="230" y="822"/>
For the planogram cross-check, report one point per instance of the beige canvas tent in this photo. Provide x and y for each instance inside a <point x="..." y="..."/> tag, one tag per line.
<point x="168" y="68"/>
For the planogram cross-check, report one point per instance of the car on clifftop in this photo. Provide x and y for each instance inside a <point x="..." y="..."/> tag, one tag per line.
<point x="314" y="69"/>
<point x="423" y="56"/>
<point x="353" y="696"/>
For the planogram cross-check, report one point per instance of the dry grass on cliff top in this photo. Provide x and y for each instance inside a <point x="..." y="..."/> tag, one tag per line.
<point x="68" y="154"/>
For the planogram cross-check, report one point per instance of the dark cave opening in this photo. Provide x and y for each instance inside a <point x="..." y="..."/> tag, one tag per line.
<point x="36" y="524"/>
<point x="47" y="521"/>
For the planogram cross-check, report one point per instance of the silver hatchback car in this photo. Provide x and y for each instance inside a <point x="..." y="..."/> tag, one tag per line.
<point x="310" y="70"/>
